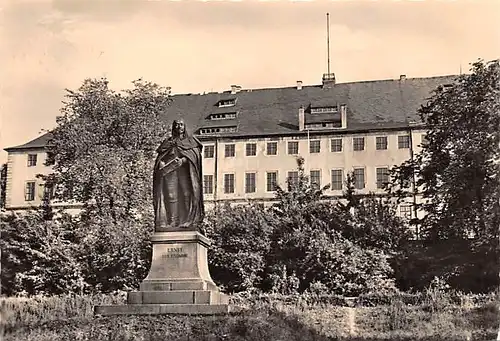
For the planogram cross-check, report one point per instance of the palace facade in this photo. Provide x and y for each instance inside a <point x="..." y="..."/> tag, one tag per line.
<point x="252" y="138"/>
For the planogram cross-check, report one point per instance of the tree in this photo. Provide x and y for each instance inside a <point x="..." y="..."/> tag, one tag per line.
<point x="309" y="245"/>
<point x="456" y="169"/>
<point x="104" y="144"/>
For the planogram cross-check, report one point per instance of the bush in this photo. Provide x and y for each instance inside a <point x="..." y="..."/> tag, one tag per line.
<point x="240" y="235"/>
<point x="72" y="254"/>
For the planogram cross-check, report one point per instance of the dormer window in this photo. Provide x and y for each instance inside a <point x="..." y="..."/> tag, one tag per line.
<point x="218" y="130"/>
<point x="327" y="125"/>
<point x="323" y="110"/>
<point x="223" y="116"/>
<point x="223" y="103"/>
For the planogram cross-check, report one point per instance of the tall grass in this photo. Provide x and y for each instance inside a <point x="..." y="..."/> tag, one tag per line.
<point x="436" y="316"/>
<point x="21" y="311"/>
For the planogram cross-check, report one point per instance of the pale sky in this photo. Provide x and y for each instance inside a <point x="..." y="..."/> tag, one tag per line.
<point x="193" y="46"/>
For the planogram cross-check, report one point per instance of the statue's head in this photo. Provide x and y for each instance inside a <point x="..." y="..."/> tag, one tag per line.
<point x="178" y="128"/>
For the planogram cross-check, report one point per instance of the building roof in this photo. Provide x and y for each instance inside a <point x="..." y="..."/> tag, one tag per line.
<point x="370" y="105"/>
<point x="39" y="142"/>
<point x="382" y="104"/>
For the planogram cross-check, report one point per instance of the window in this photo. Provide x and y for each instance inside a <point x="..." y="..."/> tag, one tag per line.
<point x="29" y="192"/>
<point x="358" y="143"/>
<point x="320" y="110"/>
<point x="293" y="178"/>
<point x="208" y="184"/>
<point x="337" y="179"/>
<point x="382" y="177"/>
<point x="223" y="116"/>
<point x="404" y="142"/>
<point x="208" y="152"/>
<point x="229" y="150"/>
<point x="315" y="178"/>
<point x="336" y="145"/>
<point x="251" y="149"/>
<point x="314" y="146"/>
<point x="32" y="160"/>
<point x="323" y="125"/>
<point x="271" y="181"/>
<point x="381" y="142"/>
<point x="250" y="183"/>
<point x="272" y="148"/>
<point x="215" y="130"/>
<point x="405" y="211"/>
<point x="359" y="178"/>
<point x="293" y="147"/>
<point x="227" y="102"/>
<point x="228" y="183"/>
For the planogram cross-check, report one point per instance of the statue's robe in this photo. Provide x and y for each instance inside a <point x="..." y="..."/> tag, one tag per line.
<point x="191" y="209"/>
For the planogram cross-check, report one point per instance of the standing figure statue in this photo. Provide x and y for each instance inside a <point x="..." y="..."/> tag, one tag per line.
<point x="177" y="181"/>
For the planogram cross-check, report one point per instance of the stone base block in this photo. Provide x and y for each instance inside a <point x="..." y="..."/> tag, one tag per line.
<point x="162" y="309"/>
<point x="178" y="281"/>
<point x="172" y="285"/>
<point x="177" y="297"/>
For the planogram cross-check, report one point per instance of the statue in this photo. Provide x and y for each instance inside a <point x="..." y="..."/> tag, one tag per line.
<point x="177" y="181"/>
<point x="179" y="280"/>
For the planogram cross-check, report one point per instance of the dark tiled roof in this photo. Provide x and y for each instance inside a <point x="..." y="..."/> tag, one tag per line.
<point x="39" y="142"/>
<point x="370" y="105"/>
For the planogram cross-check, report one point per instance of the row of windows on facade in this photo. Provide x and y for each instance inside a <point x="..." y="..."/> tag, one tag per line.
<point x="336" y="183"/>
<point x="314" y="146"/>
<point x="381" y="143"/>
<point x="271" y="183"/>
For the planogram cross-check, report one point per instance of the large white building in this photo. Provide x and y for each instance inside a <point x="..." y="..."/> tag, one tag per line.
<point x="252" y="138"/>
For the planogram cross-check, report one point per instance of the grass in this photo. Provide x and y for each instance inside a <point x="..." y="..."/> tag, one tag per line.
<point x="71" y="318"/>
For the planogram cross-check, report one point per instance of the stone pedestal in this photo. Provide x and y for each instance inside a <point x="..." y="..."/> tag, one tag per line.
<point x="178" y="282"/>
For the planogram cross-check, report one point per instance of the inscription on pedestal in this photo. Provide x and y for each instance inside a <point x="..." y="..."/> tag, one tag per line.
<point x="174" y="252"/>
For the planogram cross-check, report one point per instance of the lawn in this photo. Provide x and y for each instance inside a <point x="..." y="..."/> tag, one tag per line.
<point x="71" y="318"/>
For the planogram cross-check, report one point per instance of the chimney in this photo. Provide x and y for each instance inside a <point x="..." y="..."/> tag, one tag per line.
<point x="299" y="85"/>
<point x="235" y="89"/>
<point x="302" y="118"/>
<point x="402" y="78"/>
<point x="343" y="115"/>
<point x="328" y="80"/>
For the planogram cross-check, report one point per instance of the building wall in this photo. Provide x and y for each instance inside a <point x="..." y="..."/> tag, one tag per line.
<point x="369" y="159"/>
<point x="18" y="174"/>
<point x="325" y="161"/>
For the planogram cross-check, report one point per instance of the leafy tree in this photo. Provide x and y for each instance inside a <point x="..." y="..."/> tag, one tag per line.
<point x="456" y="170"/>
<point x="458" y="176"/>
<point x="308" y="245"/>
<point x="375" y="224"/>
<point x="72" y="254"/>
<point x="38" y="255"/>
<point x="104" y="144"/>
<point x="299" y="193"/>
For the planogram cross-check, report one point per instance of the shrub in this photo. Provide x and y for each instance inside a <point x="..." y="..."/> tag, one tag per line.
<point x="72" y="255"/>
<point x="240" y="235"/>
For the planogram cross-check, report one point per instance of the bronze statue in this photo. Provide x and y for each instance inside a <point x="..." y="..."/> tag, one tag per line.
<point x="177" y="181"/>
